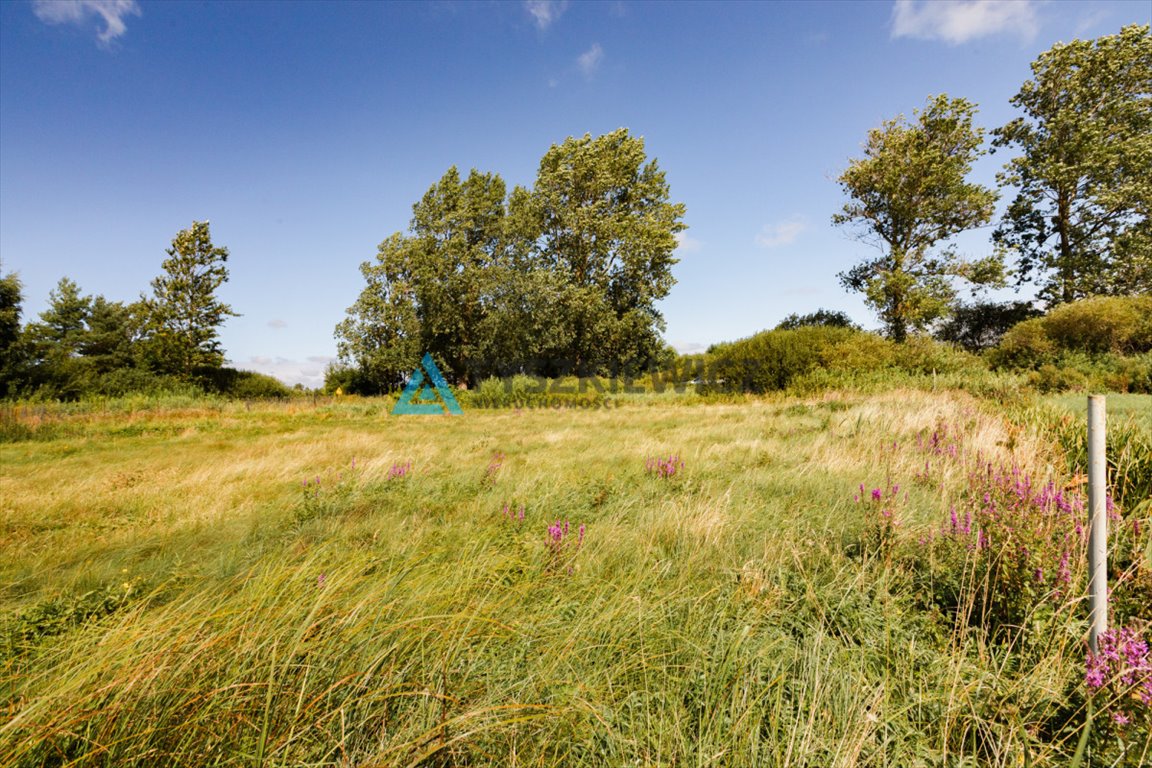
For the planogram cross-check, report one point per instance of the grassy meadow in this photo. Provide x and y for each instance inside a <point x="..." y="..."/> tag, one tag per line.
<point x="883" y="579"/>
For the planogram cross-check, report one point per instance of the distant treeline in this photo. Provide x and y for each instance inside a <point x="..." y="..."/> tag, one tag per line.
<point x="563" y="279"/>
<point x="1101" y="343"/>
<point x="997" y="350"/>
<point x="165" y="342"/>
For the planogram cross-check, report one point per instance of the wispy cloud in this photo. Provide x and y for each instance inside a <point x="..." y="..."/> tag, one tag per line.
<point x="689" y="347"/>
<point x="277" y="324"/>
<point x="589" y="61"/>
<point x="310" y="373"/>
<point x="1092" y="20"/>
<point x="80" y="12"/>
<point x="685" y="243"/>
<point x="782" y="232"/>
<point x="958" y="21"/>
<point x="545" y="12"/>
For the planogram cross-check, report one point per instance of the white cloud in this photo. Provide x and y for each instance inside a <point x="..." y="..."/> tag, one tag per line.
<point x="545" y="12"/>
<point x="958" y="21"/>
<point x="310" y="373"/>
<point x="589" y="61"/>
<point x="277" y="324"/>
<point x="686" y="243"/>
<point x="689" y="347"/>
<point x="782" y="232"/>
<point x="78" y="12"/>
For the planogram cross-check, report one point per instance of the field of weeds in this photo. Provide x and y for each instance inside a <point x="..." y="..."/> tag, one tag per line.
<point x="889" y="579"/>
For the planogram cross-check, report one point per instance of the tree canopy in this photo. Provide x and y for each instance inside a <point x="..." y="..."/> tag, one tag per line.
<point x="832" y="318"/>
<point x="1080" y="220"/>
<point x="909" y="193"/>
<point x="559" y="278"/>
<point x="83" y="345"/>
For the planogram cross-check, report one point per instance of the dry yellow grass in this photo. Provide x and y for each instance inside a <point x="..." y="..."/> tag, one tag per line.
<point x="729" y="615"/>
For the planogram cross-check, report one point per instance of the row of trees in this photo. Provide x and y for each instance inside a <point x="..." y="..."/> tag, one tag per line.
<point x="1080" y="221"/>
<point x="83" y="344"/>
<point x="560" y="278"/>
<point x="564" y="277"/>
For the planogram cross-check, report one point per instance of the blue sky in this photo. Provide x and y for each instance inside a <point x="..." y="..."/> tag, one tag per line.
<point x="305" y="131"/>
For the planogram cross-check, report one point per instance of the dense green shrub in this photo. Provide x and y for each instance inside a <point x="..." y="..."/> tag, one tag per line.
<point x="1118" y="324"/>
<point x="1025" y="345"/>
<point x="1081" y="372"/>
<point x="1101" y="328"/>
<point x="243" y="385"/>
<point x="863" y="352"/>
<point x="249" y="385"/>
<point x="1051" y="378"/>
<point x="866" y="352"/>
<point x="77" y="380"/>
<point x="920" y="354"/>
<point x="770" y="360"/>
<point x="346" y="380"/>
<point x="819" y="357"/>
<point x="130" y="381"/>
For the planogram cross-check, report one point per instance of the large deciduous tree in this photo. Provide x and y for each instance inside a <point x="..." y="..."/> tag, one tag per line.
<point x="184" y="313"/>
<point x="381" y="336"/>
<point x="607" y="231"/>
<point x="560" y="278"/>
<point x="1081" y="221"/>
<point x="432" y="290"/>
<point x="909" y="194"/>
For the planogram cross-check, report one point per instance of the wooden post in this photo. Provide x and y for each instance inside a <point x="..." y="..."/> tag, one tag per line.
<point x="1097" y="522"/>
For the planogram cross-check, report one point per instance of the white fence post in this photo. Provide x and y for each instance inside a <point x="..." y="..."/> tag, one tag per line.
<point x="1097" y="521"/>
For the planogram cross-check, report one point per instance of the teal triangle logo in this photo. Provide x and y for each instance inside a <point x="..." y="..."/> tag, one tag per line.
<point x="433" y="398"/>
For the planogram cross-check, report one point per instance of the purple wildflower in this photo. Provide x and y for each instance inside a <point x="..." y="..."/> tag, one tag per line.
<point x="1095" y="672"/>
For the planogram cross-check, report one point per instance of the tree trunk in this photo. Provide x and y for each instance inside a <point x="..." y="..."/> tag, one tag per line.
<point x="1066" y="269"/>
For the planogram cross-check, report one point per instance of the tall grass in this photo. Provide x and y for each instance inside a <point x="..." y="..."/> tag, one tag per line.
<point x="293" y="600"/>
